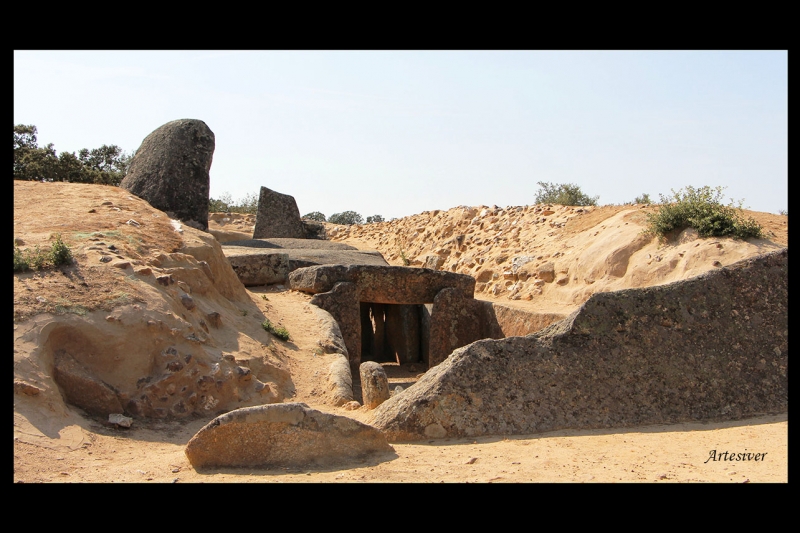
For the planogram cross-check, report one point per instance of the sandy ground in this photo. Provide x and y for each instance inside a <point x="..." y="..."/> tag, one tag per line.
<point x="55" y="443"/>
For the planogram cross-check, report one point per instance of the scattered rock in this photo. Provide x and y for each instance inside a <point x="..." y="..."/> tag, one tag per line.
<point x="120" y="420"/>
<point x="352" y="406"/>
<point x="188" y="302"/>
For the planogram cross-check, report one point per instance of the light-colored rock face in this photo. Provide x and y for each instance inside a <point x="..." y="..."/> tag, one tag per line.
<point x="165" y="329"/>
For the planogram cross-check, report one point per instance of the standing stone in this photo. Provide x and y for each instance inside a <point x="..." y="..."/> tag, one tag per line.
<point x="374" y="384"/>
<point x="343" y="305"/>
<point x="277" y="216"/>
<point x="170" y="171"/>
<point x="455" y="321"/>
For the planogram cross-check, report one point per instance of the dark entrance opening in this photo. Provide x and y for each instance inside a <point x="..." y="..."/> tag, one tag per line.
<point x="392" y="332"/>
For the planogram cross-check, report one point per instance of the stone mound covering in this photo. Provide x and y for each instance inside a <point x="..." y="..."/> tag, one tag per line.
<point x="268" y="261"/>
<point x="547" y="253"/>
<point x="711" y="347"/>
<point x="171" y="170"/>
<point x="283" y="435"/>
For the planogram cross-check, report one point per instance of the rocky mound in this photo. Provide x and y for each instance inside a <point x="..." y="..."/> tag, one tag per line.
<point x="553" y="256"/>
<point x="149" y="320"/>
<point x="711" y="347"/>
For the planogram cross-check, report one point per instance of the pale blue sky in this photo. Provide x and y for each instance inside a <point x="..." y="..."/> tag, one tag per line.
<point x="400" y="132"/>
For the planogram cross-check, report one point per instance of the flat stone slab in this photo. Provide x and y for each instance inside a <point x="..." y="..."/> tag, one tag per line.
<point x="383" y="284"/>
<point x="267" y="261"/>
<point x="283" y="435"/>
<point x="293" y="244"/>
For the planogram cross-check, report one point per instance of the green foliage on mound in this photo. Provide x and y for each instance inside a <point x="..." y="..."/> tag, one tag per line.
<point x="37" y="259"/>
<point x="279" y="331"/>
<point x="702" y="210"/>
<point x="563" y="194"/>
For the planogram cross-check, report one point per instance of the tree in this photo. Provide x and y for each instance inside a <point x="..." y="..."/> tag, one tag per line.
<point x="105" y="165"/>
<point x="315" y="215"/>
<point x="220" y="205"/>
<point x="643" y="199"/>
<point x="30" y="161"/>
<point x="374" y="218"/>
<point x="563" y="194"/>
<point x="348" y="217"/>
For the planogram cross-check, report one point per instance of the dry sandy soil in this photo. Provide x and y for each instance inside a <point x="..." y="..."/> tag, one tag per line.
<point x="54" y="442"/>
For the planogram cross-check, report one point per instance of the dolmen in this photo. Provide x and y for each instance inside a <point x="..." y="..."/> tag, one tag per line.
<point x="399" y="313"/>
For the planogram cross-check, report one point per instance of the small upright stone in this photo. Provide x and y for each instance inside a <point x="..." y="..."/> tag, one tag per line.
<point x="171" y="170"/>
<point x="277" y="216"/>
<point x="374" y="384"/>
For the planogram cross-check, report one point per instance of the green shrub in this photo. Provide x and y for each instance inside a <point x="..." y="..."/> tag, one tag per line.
<point x="225" y="204"/>
<point x="20" y="262"/>
<point x="643" y="199"/>
<point x="702" y="210"/>
<point x="280" y="332"/>
<point x="563" y="194"/>
<point x="60" y="253"/>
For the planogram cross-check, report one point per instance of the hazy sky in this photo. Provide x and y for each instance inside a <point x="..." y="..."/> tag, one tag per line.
<point x="396" y="133"/>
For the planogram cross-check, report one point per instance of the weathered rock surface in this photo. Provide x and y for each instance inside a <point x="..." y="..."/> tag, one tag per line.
<point x="374" y="384"/>
<point x="277" y="216"/>
<point x="283" y="435"/>
<point x="266" y="261"/>
<point x="259" y="268"/>
<point x="711" y="347"/>
<point x="342" y="304"/>
<point x="455" y="321"/>
<point x="82" y="388"/>
<point x="382" y="284"/>
<point x="171" y="170"/>
<point x="313" y="229"/>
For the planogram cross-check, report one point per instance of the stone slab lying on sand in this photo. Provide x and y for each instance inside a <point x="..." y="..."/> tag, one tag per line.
<point x="712" y="347"/>
<point x="283" y="435"/>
